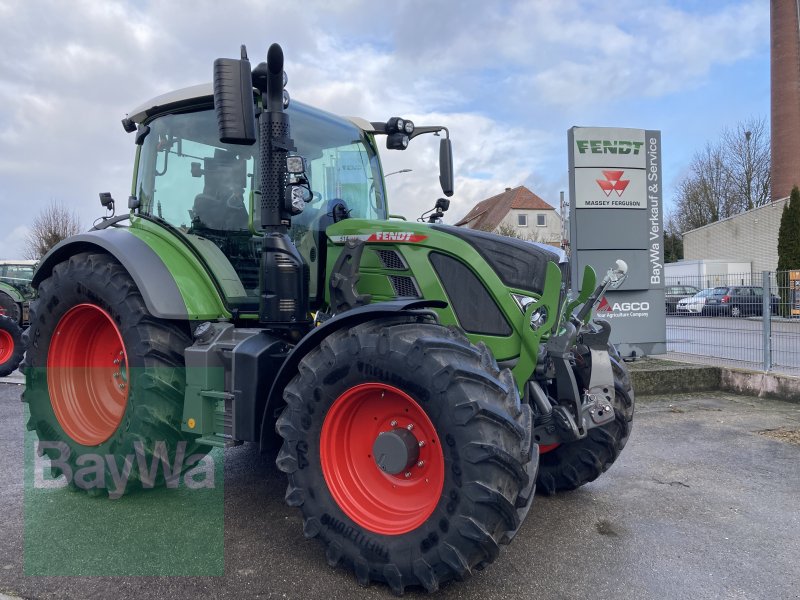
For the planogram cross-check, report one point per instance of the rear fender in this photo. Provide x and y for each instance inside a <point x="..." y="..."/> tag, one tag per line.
<point x="188" y="295"/>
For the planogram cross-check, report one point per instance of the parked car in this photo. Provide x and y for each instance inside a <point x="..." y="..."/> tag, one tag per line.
<point x="694" y="304"/>
<point x="739" y="301"/>
<point x="674" y="293"/>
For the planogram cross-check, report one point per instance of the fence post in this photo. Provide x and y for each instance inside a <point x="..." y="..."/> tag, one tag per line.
<point x="766" y="318"/>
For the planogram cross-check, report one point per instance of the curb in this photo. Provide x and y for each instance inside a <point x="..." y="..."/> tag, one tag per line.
<point x="681" y="377"/>
<point x="658" y="376"/>
<point x="763" y="385"/>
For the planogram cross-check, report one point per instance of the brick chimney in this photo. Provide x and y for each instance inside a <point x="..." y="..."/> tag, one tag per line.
<point x="785" y="96"/>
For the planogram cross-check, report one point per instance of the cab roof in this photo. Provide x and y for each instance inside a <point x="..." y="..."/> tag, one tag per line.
<point x="203" y="92"/>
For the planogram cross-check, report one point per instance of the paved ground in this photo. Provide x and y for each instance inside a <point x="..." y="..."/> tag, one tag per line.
<point x="700" y="505"/>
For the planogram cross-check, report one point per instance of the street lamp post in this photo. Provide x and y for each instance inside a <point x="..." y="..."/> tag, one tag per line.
<point x="396" y="172"/>
<point x="748" y="170"/>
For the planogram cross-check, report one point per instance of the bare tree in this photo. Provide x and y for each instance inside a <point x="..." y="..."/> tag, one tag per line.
<point x="510" y="231"/>
<point x="705" y="195"/>
<point x="747" y="152"/>
<point x="726" y="177"/>
<point x="53" y="224"/>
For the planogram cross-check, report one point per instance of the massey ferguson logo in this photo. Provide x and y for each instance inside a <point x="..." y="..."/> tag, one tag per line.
<point x="613" y="182"/>
<point x="608" y="310"/>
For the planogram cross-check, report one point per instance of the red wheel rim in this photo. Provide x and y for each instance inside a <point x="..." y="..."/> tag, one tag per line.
<point x="544" y="448"/>
<point x="6" y="346"/>
<point x="87" y="374"/>
<point x="378" y="501"/>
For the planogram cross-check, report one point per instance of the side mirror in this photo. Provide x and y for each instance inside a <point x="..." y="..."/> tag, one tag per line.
<point x="233" y="100"/>
<point x="446" y="166"/>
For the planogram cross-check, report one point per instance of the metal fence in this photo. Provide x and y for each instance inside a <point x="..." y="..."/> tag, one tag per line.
<point x="733" y="322"/>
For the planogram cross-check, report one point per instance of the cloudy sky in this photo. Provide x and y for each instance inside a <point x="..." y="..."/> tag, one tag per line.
<point x="508" y="78"/>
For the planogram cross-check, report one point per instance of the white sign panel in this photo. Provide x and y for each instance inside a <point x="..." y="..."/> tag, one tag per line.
<point x="610" y="188"/>
<point x="602" y="146"/>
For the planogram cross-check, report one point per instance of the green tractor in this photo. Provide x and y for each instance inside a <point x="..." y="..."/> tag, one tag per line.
<point x="15" y="295"/>
<point x="417" y="380"/>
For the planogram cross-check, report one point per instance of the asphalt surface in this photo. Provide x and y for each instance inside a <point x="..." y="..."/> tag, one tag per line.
<point x="737" y="341"/>
<point x="699" y="505"/>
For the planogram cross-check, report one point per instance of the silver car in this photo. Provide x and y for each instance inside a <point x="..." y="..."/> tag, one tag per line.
<point x="694" y="304"/>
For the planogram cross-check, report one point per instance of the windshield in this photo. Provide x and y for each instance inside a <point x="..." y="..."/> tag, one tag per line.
<point x="182" y="159"/>
<point x="207" y="189"/>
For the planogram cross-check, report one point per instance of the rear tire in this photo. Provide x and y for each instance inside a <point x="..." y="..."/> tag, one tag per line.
<point x="448" y="516"/>
<point x="103" y="376"/>
<point x="11" y="347"/>
<point x="9" y="308"/>
<point x="569" y="466"/>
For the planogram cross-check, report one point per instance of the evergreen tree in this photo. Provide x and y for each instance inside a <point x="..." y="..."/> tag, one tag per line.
<point x="788" y="246"/>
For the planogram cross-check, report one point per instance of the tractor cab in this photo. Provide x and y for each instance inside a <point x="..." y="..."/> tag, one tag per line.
<point x="208" y="190"/>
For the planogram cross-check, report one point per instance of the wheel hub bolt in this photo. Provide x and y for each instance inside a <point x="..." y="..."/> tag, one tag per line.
<point x="116" y="361"/>
<point x="421" y="443"/>
<point x="408" y="474"/>
<point x="421" y="463"/>
<point x="116" y="374"/>
<point x="122" y="386"/>
<point x="410" y="426"/>
<point x="393" y="423"/>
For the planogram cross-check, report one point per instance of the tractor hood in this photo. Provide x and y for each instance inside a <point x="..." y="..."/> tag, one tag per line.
<point x="518" y="263"/>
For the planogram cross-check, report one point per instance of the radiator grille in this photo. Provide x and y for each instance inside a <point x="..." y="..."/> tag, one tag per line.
<point x="404" y="287"/>
<point x="390" y="259"/>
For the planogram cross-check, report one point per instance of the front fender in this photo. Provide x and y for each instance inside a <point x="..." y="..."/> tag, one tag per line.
<point x="349" y="318"/>
<point x="11" y="291"/>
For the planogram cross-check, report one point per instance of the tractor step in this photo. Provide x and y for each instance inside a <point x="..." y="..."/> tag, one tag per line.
<point x="218" y="441"/>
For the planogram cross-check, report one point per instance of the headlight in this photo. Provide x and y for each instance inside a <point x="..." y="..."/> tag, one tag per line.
<point x="522" y="301"/>
<point x="295" y="165"/>
<point x="538" y="317"/>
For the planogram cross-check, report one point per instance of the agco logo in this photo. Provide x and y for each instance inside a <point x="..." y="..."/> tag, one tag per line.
<point x="608" y="147"/>
<point x="613" y="182"/>
<point x="622" y="309"/>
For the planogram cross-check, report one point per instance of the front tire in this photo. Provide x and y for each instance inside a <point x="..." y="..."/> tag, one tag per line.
<point x="104" y="377"/>
<point x="438" y="513"/>
<point x="11" y="347"/>
<point x="569" y="466"/>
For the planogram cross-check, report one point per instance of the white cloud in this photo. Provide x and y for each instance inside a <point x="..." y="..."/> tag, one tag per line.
<point x="507" y="78"/>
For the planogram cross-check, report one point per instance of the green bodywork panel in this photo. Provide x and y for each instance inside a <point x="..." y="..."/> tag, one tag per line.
<point x="521" y="345"/>
<point x="199" y="291"/>
<point x="587" y="287"/>
<point x="13" y="292"/>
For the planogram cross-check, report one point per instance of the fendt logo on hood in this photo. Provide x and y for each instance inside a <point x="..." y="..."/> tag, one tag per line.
<point x="608" y="310"/>
<point x="613" y="182"/>
<point x="608" y="147"/>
